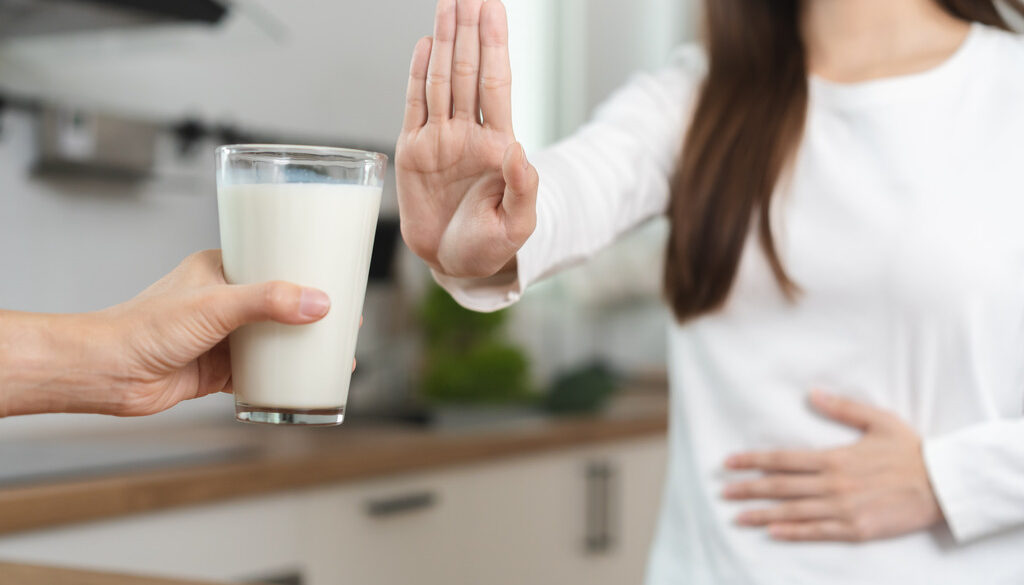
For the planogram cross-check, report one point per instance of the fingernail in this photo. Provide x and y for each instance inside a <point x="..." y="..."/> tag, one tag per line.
<point x="743" y="519"/>
<point x="730" y="491"/>
<point x="732" y="462"/>
<point x="526" y="162"/>
<point x="313" y="303"/>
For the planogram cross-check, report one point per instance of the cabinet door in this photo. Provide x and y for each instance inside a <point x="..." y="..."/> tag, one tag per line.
<point x="633" y="499"/>
<point x="551" y="520"/>
<point x="390" y="532"/>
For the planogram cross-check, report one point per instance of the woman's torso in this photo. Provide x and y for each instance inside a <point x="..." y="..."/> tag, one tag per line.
<point x="903" y="223"/>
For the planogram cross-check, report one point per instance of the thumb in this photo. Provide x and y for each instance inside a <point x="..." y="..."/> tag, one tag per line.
<point x="520" y="200"/>
<point x="284" y="302"/>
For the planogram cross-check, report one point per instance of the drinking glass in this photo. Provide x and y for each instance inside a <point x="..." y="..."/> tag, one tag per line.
<point x="306" y="215"/>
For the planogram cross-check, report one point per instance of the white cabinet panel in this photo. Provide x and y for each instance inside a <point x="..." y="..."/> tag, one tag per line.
<point x="217" y="542"/>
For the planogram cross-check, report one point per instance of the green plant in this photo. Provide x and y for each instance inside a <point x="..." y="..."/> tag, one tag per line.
<point x="584" y="390"/>
<point x="466" y="361"/>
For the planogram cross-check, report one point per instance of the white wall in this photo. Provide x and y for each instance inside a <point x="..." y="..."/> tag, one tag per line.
<point x="603" y="42"/>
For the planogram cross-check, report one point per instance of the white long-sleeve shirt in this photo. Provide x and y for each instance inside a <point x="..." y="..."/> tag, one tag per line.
<point x="903" y="223"/>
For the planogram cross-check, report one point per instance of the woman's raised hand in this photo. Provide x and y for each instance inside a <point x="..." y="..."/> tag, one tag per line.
<point x="467" y="194"/>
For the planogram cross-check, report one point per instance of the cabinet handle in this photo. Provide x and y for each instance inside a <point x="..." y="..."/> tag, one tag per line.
<point x="403" y="504"/>
<point x="601" y="508"/>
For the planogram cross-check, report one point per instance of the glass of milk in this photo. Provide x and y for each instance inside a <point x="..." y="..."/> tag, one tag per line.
<point x="306" y="215"/>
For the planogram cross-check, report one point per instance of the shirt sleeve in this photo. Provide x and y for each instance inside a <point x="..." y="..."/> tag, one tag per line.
<point x="610" y="176"/>
<point x="977" y="474"/>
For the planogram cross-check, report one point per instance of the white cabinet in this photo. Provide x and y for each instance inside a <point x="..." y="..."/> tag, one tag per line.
<point x="513" y="521"/>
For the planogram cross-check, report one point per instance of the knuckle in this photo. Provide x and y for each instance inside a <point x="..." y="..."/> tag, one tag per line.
<point x="772" y="485"/>
<point x="493" y="37"/>
<point x="792" y="510"/>
<point x="202" y="258"/>
<point x="202" y="267"/>
<point x="833" y="460"/>
<point x="278" y="297"/>
<point x="842" y="484"/>
<point x="434" y="80"/>
<point x="464" y="69"/>
<point x="842" y="409"/>
<point x="847" y="508"/>
<point x="837" y="485"/>
<point x="492" y="83"/>
<point x="862" y="529"/>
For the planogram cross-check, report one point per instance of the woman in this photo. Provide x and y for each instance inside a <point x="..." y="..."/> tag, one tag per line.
<point x="146" y="355"/>
<point x="843" y="180"/>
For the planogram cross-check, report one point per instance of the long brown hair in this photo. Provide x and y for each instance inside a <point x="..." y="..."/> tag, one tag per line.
<point x="746" y="128"/>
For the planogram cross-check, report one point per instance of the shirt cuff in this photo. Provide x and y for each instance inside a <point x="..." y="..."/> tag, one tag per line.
<point x="961" y="488"/>
<point x="484" y="295"/>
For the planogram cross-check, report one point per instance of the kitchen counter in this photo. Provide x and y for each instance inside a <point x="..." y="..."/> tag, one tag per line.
<point x="37" y="575"/>
<point x="281" y="459"/>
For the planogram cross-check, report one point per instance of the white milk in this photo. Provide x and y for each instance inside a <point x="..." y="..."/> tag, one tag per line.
<point x="316" y="235"/>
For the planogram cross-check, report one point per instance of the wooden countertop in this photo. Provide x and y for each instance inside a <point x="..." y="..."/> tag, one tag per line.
<point x="37" y="575"/>
<point x="290" y="458"/>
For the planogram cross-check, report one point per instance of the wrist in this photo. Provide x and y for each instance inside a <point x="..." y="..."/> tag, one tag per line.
<point x="55" y="363"/>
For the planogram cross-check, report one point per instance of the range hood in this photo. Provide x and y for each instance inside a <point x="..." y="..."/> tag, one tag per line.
<point x="31" y="18"/>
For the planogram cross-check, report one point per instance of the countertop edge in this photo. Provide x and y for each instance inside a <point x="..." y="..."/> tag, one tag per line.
<point x="26" y="574"/>
<point x="49" y="505"/>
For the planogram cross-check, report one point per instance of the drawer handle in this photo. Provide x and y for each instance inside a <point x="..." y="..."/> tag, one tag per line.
<point x="404" y="504"/>
<point x="601" y="508"/>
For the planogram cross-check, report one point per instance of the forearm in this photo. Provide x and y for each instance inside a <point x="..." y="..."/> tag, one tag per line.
<point x="51" y="363"/>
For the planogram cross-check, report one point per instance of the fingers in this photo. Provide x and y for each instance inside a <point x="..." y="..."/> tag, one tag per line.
<point x="848" y="412"/>
<point x="214" y="370"/>
<point x="206" y="263"/>
<point x="796" y="511"/>
<point x="416" y="94"/>
<point x="520" y="199"/>
<point x="466" y="67"/>
<point x="439" y="71"/>
<point x="784" y="461"/>
<point x="198" y="269"/>
<point x="271" y="301"/>
<point x="495" y="68"/>
<point x="778" y="486"/>
<point x="825" y="530"/>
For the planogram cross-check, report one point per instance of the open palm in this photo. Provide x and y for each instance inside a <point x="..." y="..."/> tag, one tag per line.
<point x="467" y="194"/>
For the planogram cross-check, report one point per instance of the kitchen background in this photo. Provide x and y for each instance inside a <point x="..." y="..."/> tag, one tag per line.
<point x="329" y="72"/>
<point x="312" y="70"/>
